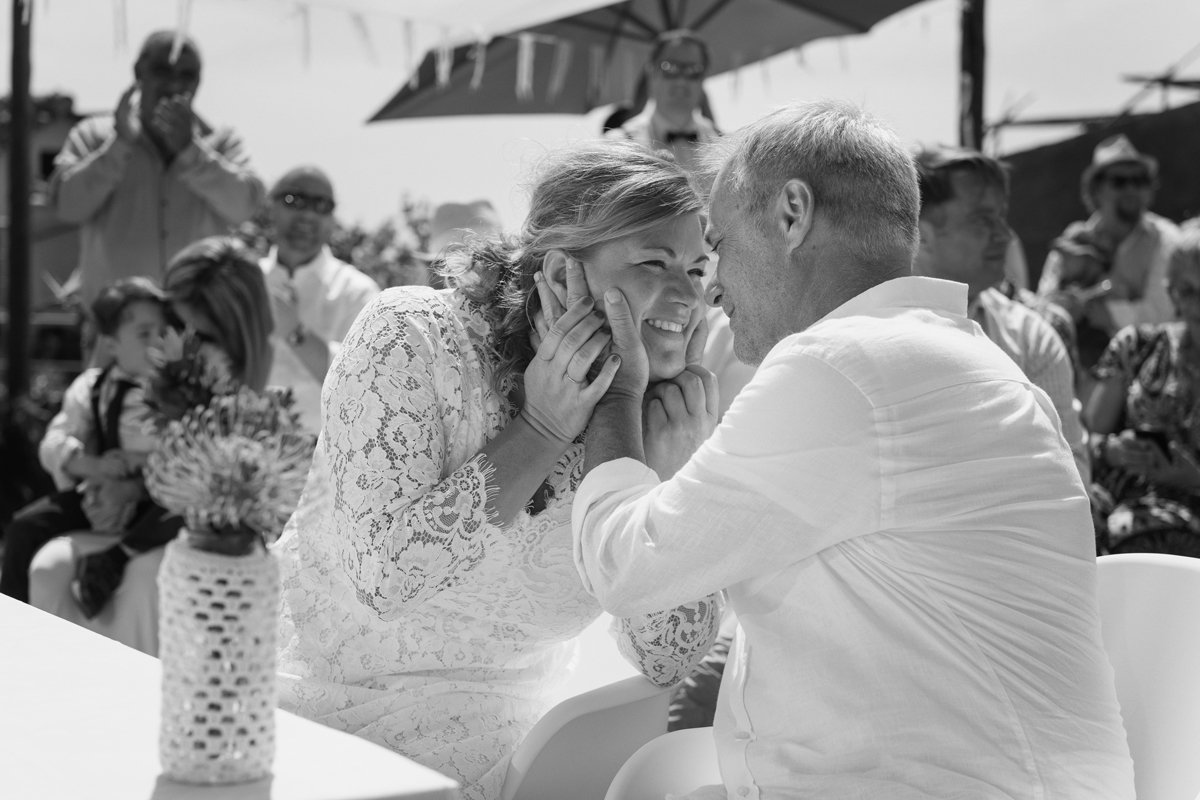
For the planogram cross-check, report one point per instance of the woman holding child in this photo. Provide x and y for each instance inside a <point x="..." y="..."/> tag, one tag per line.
<point x="430" y="595"/>
<point x="105" y="579"/>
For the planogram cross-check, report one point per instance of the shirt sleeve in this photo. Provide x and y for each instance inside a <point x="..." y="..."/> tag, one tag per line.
<point x="780" y="480"/>
<point x="91" y="163"/>
<point x="405" y="529"/>
<point x="69" y="431"/>
<point x="216" y="169"/>
<point x="1049" y="368"/>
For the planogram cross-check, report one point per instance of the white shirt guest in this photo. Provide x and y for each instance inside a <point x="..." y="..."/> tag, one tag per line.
<point x="315" y="296"/>
<point x="889" y="504"/>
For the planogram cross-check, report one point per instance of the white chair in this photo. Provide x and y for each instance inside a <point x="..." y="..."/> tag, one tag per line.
<point x="574" y="751"/>
<point x="677" y="762"/>
<point x="1148" y="604"/>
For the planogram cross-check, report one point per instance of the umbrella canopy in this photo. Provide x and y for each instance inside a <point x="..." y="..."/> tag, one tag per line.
<point x="592" y="52"/>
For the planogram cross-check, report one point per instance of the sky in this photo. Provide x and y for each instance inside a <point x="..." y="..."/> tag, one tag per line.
<point x="297" y="99"/>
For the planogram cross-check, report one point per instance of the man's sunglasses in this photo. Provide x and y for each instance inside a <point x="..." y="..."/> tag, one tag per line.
<point x="298" y="201"/>
<point x="1121" y="181"/>
<point x="673" y="69"/>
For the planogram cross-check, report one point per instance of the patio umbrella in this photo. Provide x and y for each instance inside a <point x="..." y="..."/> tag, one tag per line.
<point x="592" y="53"/>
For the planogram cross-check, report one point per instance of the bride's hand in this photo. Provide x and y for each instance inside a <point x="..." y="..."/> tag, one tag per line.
<point x="678" y="414"/>
<point x="559" y="396"/>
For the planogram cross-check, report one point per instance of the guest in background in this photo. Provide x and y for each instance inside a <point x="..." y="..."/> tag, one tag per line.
<point x="314" y="296"/>
<point x="671" y="119"/>
<point x="964" y="237"/>
<point x="215" y="289"/>
<point x="429" y="599"/>
<point x="153" y="177"/>
<point x="1118" y="189"/>
<point x="452" y="224"/>
<point x="95" y="446"/>
<point x="1144" y="414"/>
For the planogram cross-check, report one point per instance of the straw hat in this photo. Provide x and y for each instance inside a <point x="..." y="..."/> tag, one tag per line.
<point x="1118" y="150"/>
<point x="453" y="222"/>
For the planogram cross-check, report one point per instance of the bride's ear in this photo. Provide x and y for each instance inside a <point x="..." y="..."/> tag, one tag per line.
<point x="554" y="270"/>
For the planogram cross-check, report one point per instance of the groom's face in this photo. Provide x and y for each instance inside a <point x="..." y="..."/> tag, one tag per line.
<point x="745" y="285"/>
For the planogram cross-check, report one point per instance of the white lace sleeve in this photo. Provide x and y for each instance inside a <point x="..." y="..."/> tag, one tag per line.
<point x="404" y="531"/>
<point x="666" y="645"/>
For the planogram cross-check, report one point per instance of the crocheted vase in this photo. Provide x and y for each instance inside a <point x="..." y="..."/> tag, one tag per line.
<point x="217" y="617"/>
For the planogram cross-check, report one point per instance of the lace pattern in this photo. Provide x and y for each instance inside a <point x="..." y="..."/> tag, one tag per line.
<point x="408" y="616"/>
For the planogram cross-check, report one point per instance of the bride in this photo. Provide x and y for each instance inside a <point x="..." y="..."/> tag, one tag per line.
<point x="430" y="597"/>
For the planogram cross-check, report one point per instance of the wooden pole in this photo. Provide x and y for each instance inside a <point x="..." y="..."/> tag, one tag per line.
<point x="19" y="179"/>
<point x="971" y="74"/>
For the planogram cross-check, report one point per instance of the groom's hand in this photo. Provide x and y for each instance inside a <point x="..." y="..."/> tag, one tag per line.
<point x="634" y="371"/>
<point x="677" y="416"/>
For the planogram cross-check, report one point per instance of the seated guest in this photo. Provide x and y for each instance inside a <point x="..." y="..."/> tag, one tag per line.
<point x="1144" y="414"/>
<point x="889" y="503"/>
<point x="96" y="444"/>
<point x="429" y="598"/>
<point x="215" y="289"/>
<point x="1118" y="188"/>
<point x="314" y="296"/>
<point x="964" y="237"/>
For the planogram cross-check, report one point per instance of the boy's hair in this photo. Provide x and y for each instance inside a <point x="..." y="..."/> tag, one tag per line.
<point x="110" y="307"/>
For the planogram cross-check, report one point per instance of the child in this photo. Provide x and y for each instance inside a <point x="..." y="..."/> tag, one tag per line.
<point x="95" y="446"/>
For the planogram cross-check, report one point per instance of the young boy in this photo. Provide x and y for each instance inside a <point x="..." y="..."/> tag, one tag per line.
<point x="95" y="446"/>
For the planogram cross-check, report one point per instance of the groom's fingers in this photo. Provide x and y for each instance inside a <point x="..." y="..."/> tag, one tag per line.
<point x="577" y="287"/>
<point x="695" y="345"/>
<point x="620" y="321"/>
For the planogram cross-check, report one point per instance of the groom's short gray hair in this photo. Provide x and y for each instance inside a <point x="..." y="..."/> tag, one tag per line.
<point x="862" y="177"/>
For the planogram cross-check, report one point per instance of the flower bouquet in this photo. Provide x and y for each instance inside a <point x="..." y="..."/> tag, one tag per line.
<point x="232" y="463"/>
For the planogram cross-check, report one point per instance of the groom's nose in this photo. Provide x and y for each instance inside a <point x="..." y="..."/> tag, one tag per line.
<point x="713" y="293"/>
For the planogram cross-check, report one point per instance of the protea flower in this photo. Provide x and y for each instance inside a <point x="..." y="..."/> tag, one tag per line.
<point x="233" y="469"/>
<point x="189" y="373"/>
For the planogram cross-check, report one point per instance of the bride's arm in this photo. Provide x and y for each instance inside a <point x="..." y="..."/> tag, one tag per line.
<point x="666" y="645"/>
<point x="405" y="528"/>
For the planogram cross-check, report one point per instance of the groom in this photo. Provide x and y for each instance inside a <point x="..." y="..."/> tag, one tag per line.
<point x="889" y="503"/>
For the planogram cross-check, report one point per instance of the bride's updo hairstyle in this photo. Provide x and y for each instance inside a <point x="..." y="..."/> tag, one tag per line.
<point x="582" y="197"/>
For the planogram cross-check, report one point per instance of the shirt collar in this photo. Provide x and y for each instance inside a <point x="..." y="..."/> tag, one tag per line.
<point x="317" y="263"/>
<point x="912" y="291"/>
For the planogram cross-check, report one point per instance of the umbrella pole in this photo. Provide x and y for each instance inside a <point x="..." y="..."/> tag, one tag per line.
<point x="971" y="74"/>
<point x="19" y="295"/>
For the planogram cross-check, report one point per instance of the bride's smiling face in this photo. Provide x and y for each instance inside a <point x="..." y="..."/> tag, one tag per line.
<point x="660" y="271"/>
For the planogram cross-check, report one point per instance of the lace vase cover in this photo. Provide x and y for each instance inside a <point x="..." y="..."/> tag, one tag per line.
<point x="217" y="644"/>
<point x="408" y="618"/>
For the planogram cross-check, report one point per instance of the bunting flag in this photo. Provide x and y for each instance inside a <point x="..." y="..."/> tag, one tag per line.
<point x="595" y="73"/>
<point x="410" y="54"/>
<point x="181" y="28"/>
<point x="305" y="34"/>
<point x="525" y="45"/>
<point x="364" y="34"/>
<point x="480" y="54"/>
<point x="558" y="72"/>
<point x="443" y="58"/>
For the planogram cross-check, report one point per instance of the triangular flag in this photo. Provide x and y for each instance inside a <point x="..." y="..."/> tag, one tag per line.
<point x="525" y="45"/>
<point x="443" y="58"/>
<point x="364" y="34"/>
<point x="480" y="56"/>
<point x="181" y="28"/>
<point x="562" y="64"/>
<point x="410" y="54"/>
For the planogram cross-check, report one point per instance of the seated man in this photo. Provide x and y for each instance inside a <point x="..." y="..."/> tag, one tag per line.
<point x="889" y="504"/>
<point x="965" y="237"/>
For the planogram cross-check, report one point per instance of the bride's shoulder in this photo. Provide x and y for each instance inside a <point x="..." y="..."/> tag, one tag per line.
<point x="421" y="307"/>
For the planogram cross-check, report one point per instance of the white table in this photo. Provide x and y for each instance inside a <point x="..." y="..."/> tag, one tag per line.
<point x="79" y="719"/>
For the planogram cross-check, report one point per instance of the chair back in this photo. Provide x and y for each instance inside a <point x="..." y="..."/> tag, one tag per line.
<point x="677" y="762"/>
<point x="577" y="747"/>
<point x="1148" y="605"/>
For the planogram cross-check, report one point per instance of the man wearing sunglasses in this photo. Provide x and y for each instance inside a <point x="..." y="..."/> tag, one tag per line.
<point x="314" y="296"/>
<point x="152" y="177"/>
<point x="1118" y="188"/>
<point x="672" y="118"/>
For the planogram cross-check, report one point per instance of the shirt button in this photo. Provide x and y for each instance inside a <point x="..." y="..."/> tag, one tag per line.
<point x="743" y="791"/>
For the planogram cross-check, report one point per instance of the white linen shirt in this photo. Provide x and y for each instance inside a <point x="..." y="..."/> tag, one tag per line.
<point x="329" y="294"/>
<point x="908" y="548"/>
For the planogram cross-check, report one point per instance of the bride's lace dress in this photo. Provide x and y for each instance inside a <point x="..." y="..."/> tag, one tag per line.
<point x="408" y="618"/>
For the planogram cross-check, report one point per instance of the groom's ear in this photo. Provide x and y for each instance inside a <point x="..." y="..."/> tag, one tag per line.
<point x="554" y="270"/>
<point x="794" y="212"/>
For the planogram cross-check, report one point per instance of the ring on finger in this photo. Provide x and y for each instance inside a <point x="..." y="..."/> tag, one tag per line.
<point x="567" y="375"/>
